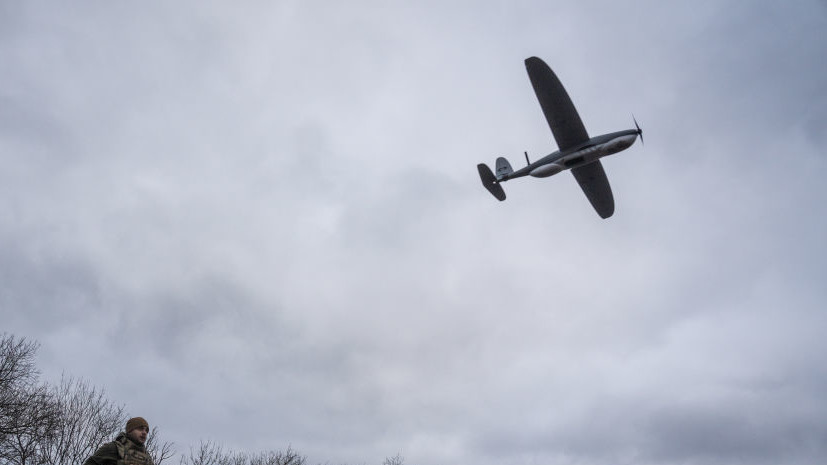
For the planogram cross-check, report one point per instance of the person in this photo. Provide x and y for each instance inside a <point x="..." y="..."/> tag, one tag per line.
<point x="127" y="448"/>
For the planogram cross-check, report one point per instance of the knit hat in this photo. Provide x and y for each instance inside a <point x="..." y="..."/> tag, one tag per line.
<point x="136" y="422"/>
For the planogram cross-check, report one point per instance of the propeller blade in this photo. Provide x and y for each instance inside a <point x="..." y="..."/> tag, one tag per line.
<point x="639" y="131"/>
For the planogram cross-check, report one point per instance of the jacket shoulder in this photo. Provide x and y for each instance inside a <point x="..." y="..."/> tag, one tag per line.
<point x="107" y="454"/>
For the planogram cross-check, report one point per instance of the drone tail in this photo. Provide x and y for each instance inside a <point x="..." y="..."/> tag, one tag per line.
<point x="503" y="168"/>
<point x="490" y="182"/>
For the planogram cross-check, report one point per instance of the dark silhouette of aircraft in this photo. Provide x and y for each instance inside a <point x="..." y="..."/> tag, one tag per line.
<point x="577" y="151"/>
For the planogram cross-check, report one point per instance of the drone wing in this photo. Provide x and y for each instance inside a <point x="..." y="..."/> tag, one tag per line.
<point x="560" y="113"/>
<point x="595" y="185"/>
<point x="569" y="132"/>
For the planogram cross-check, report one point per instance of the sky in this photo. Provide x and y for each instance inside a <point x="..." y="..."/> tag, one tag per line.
<point x="261" y="224"/>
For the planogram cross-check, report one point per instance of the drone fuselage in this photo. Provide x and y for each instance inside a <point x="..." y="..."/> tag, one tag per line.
<point x="591" y="150"/>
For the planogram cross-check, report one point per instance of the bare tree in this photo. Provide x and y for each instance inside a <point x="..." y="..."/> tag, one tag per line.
<point x="64" y="425"/>
<point x="159" y="451"/>
<point x="87" y="420"/>
<point x="31" y="422"/>
<point x="209" y="453"/>
<point x="287" y="457"/>
<point x="61" y="425"/>
<point x="16" y="372"/>
<point x="28" y="412"/>
<point x="395" y="460"/>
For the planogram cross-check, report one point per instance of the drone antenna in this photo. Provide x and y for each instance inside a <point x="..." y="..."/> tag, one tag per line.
<point x="526" y="158"/>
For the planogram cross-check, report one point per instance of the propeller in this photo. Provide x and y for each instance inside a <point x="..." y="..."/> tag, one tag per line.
<point x="639" y="131"/>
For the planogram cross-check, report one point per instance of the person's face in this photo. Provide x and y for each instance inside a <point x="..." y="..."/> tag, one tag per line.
<point x="139" y="434"/>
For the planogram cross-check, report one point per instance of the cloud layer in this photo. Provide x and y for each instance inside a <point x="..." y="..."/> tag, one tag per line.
<point x="262" y="225"/>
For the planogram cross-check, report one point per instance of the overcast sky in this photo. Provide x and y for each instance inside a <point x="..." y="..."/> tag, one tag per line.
<point x="261" y="223"/>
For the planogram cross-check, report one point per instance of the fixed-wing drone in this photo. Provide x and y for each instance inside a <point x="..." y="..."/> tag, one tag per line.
<point x="577" y="151"/>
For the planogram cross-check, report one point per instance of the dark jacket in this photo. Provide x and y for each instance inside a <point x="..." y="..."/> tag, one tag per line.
<point x="122" y="451"/>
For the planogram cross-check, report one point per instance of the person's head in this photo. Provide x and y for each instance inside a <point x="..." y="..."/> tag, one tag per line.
<point x="137" y="428"/>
